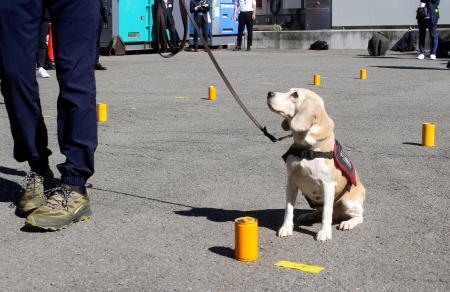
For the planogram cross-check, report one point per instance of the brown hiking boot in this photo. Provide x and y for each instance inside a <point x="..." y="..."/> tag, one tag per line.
<point x="33" y="195"/>
<point x="65" y="205"/>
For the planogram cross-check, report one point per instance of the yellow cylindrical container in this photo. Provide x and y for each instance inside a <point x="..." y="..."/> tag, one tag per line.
<point x="102" y="112"/>
<point x="428" y="130"/>
<point x="246" y="239"/>
<point x="363" y="74"/>
<point x="317" y="80"/>
<point x="212" y="93"/>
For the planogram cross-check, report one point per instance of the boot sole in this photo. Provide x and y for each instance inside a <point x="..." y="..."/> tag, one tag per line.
<point x="85" y="216"/>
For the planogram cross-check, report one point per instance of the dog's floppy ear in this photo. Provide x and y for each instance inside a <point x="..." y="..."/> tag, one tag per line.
<point x="305" y="117"/>
<point x="285" y="125"/>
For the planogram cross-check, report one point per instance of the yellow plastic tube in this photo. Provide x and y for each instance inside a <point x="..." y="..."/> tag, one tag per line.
<point x="102" y="112"/>
<point x="246" y="239"/>
<point x="428" y="131"/>
<point x="212" y="93"/>
<point x="317" y="80"/>
<point x="363" y="74"/>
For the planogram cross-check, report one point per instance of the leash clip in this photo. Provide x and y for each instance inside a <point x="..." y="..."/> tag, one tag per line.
<point x="268" y="135"/>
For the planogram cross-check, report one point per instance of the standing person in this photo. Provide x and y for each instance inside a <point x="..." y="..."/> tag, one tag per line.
<point x="247" y="14"/>
<point x="43" y="49"/>
<point x="74" y="25"/>
<point x="103" y="19"/>
<point x="427" y="18"/>
<point x="200" y="9"/>
<point x="170" y="21"/>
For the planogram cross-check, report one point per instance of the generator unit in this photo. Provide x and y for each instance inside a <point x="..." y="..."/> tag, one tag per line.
<point x="132" y="20"/>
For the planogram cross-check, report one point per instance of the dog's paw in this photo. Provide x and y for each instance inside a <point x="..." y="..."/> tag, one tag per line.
<point x="349" y="224"/>
<point x="285" y="230"/>
<point x="324" y="235"/>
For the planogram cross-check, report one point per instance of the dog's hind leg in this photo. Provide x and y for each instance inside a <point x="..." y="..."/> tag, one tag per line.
<point x="355" y="211"/>
<point x="288" y="223"/>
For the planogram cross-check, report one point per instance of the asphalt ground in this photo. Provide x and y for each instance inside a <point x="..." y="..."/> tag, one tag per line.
<point x="173" y="171"/>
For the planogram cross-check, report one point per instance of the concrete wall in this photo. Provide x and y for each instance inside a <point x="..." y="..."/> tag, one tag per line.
<point x="381" y="12"/>
<point x="337" y="39"/>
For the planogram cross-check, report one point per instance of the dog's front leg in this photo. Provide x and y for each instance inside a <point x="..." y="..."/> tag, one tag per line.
<point x="291" y="196"/>
<point x="327" y="213"/>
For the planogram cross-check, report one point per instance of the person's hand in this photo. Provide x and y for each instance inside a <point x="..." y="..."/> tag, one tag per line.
<point x="206" y="5"/>
<point x="197" y="7"/>
<point x="253" y="16"/>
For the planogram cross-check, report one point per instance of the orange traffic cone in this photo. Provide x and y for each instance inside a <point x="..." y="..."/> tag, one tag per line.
<point x="51" y="56"/>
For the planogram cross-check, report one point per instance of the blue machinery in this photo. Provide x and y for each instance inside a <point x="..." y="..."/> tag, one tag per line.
<point x="132" y="20"/>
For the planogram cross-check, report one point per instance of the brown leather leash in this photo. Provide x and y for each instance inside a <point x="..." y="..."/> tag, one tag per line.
<point x="160" y="24"/>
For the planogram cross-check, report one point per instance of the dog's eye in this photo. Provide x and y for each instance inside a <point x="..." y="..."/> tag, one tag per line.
<point x="294" y="94"/>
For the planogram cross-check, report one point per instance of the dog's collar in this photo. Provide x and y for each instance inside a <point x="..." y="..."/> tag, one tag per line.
<point x="307" y="154"/>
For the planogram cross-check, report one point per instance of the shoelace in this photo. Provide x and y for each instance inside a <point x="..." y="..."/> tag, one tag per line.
<point x="30" y="181"/>
<point x="58" y="196"/>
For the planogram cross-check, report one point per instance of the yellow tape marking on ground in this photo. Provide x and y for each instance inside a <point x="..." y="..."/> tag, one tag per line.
<point x="182" y="97"/>
<point x="301" y="267"/>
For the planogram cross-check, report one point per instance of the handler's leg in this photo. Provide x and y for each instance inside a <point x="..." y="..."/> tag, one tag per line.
<point x="19" y="39"/>
<point x="75" y="26"/>
<point x="75" y="35"/>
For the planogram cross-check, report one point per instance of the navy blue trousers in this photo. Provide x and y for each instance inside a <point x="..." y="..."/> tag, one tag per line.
<point x="74" y="25"/>
<point x="431" y="25"/>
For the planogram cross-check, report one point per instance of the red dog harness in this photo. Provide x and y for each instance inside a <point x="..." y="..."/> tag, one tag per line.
<point x="341" y="160"/>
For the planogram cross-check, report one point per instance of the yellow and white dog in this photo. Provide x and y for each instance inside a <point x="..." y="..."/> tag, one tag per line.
<point x="316" y="165"/>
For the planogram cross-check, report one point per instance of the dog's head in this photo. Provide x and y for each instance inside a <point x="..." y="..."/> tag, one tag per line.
<point x="304" y="114"/>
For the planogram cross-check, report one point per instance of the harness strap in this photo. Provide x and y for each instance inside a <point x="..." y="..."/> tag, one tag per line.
<point x="307" y="154"/>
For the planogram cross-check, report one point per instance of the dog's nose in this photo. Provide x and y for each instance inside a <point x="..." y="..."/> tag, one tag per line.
<point x="270" y="94"/>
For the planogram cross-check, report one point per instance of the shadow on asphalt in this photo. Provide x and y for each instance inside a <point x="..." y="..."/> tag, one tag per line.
<point x="410" y="68"/>
<point x="223" y="251"/>
<point x="139" y="197"/>
<point x="10" y="190"/>
<point x="12" y="171"/>
<point x="412" y="143"/>
<point x="270" y="218"/>
<point x="404" y="56"/>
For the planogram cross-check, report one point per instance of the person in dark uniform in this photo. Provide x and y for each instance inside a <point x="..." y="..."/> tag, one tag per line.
<point x="74" y="25"/>
<point x="42" y="55"/>
<point x="170" y="21"/>
<point x="103" y="19"/>
<point x="200" y="9"/>
<point x="427" y="18"/>
<point x="247" y="14"/>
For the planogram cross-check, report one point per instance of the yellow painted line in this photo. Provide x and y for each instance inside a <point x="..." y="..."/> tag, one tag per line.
<point x="182" y="97"/>
<point x="299" y="266"/>
<point x="47" y="116"/>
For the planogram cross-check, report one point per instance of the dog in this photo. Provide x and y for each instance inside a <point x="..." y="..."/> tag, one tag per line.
<point x="316" y="165"/>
